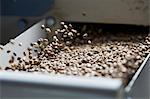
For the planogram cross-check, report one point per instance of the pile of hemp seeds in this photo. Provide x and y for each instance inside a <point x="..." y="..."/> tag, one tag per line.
<point x="71" y="52"/>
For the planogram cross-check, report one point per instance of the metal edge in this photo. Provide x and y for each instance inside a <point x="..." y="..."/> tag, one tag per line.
<point x="136" y="75"/>
<point x="62" y="80"/>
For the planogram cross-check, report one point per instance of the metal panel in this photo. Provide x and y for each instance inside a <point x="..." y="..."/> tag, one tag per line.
<point x="13" y="82"/>
<point x="17" y="85"/>
<point x="103" y="11"/>
<point x="50" y="86"/>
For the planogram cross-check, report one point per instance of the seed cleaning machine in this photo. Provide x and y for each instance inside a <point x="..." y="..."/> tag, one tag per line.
<point x="21" y="19"/>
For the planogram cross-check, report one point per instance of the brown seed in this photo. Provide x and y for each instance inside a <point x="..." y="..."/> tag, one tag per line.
<point x="89" y="42"/>
<point x="8" y="51"/>
<point x="70" y="25"/>
<point x="65" y="26"/>
<point x="85" y="35"/>
<point x="11" y="60"/>
<point x="30" y="57"/>
<point x="35" y="50"/>
<point x="18" y="58"/>
<point x="67" y="64"/>
<point x="48" y="30"/>
<point x="8" y="68"/>
<point x="62" y="23"/>
<point x="42" y="26"/>
<point x="26" y="63"/>
<point x="75" y="31"/>
<point x="32" y="44"/>
<point x="96" y="52"/>
<point x="123" y="69"/>
<point x="1" y="47"/>
<point x="78" y="34"/>
<point x="55" y="38"/>
<point x="24" y="53"/>
<point x="88" y="65"/>
<point x="70" y="34"/>
<point x="14" y="54"/>
<point x="84" y="61"/>
<point x="64" y="36"/>
<point x="56" y="32"/>
<point x="20" y="44"/>
<point x="29" y="48"/>
<point x="12" y="41"/>
<point x="68" y="43"/>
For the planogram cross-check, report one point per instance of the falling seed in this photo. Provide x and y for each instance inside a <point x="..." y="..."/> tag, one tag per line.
<point x="62" y="23"/>
<point x="85" y="35"/>
<point x="8" y="51"/>
<point x="71" y="38"/>
<point x="29" y="48"/>
<point x="14" y="54"/>
<point x="67" y="64"/>
<point x="56" y="32"/>
<point x="88" y="65"/>
<point x="78" y="34"/>
<point x="31" y="44"/>
<point x="45" y="40"/>
<point x="1" y="47"/>
<point x="18" y="58"/>
<point x="55" y="38"/>
<point x="68" y="43"/>
<point x="20" y="61"/>
<point x="35" y="44"/>
<point x="11" y="60"/>
<point x="26" y="63"/>
<point x="42" y="26"/>
<point x="84" y="28"/>
<point x="39" y="42"/>
<point x="71" y="47"/>
<point x="89" y="54"/>
<point x="75" y="31"/>
<point x="63" y="31"/>
<point x="20" y="44"/>
<point x="84" y="61"/>
<point x="123" y="69"/>
<point x="65" y="26"/>
<point x="64" y="36"/>
<point x="35" y="50"/>
<point x="30" y="57"/>
<point x="96" y="52"/>
<point x="30" y="52"/>
<point x="70" y="34"/>
<point x="89" y="42"/>
<point x="8" y="68"/>
<point x="12" y="41"/>
<point x="24" y="53"/>
<point x="48" y="30"/>
<point x="70" y="25"/>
